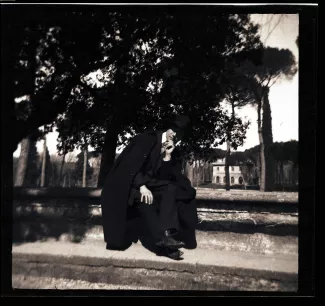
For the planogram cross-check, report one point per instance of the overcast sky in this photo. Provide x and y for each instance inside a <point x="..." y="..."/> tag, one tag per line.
<point x="283" y="95"/>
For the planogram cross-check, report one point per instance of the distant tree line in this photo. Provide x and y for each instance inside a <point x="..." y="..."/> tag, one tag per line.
<point x="285" y="171"/>
<point x="57" y="171"/>
<point x="83" y="169"/>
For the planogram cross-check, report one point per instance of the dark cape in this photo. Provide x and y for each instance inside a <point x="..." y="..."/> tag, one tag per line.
<point x="126" y="173"/>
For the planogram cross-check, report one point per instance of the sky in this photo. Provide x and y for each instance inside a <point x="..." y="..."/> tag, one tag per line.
<point x="283" y="95"/>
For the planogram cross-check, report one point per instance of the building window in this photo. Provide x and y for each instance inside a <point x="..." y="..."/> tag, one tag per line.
<point x="224" y="179"/>
<point x="240" y="168"/>
<point x="240" y="180"/>
<point x="232" y="169"/>
<point x="232" y="180"/>
<point x="217" y="179"/>
<point x="217" y="168"/>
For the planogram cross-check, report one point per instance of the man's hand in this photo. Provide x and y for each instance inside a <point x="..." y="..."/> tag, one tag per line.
<point x="168" y="149"/>
<point x="146" y="194"/>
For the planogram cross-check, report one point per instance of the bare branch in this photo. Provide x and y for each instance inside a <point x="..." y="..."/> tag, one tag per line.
<point x="275" y="80"/>
<point x="268" y="82"/>
<point x="270" y="32"/>
<point x="264" y="79"/>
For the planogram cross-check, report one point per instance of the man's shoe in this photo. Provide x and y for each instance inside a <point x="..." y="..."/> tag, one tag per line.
<point x="118" y="247"/>
<point x="190" y="245"/>
<point x="169" y="242"/>
<point x="170" y="253"/>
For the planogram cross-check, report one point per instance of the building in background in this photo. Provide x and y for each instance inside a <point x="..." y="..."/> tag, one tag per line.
<point x="219" y="173"/>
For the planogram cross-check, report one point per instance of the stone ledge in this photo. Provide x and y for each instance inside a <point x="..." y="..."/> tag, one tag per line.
<point x="20" y="281"/>
<point x="213" y="202"/>
<point x="210" y="194"/>
<point x="201" y="269"/>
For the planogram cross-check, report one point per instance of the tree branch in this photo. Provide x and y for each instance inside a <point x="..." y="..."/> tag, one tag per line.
<point x="43" y="114"/>
<point x="276" y="78"/>
<point x="270" y="32"/>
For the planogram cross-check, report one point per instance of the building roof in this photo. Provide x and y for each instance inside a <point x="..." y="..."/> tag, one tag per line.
<point x="222" y="162"/>
<point x="219" y="162"/>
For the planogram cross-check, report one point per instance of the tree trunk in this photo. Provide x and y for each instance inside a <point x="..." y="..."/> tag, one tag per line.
<point x="277" y="173"/>
<point x="43" y="163"/>
<point x="108" y="153"/>
<point x="198" y="173"/>
<point x="227" y="166"/>
<point x="262" y="156"/>
<point x="61" y="170"/>
<point x="228" y="150"/>
<point x="290" y="174"/>
<point x="296" y="174"/>
<point x="193" y="172"/>
<point x="189" y="172"/>
<point x="84" y="172"/>
<point x="268" y="141"/>
<point x="64" y="180"/>
<point x="53" y="173"/>
<point x="282" y="173"/>
<point x="23" y="162"/>
<point x="204" y="170"/>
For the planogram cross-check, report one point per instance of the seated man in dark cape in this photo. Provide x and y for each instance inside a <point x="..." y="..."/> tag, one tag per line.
<point x="147" y="176"/>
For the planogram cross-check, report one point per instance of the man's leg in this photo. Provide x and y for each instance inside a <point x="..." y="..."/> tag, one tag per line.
<point x="168" y="215"/>
<point x="149" y="215"/>
<point x="188" y="220"/>
<point x="161" y="217"/>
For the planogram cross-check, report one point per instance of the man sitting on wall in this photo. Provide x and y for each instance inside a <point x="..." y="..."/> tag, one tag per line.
<point x="147" y="176"/>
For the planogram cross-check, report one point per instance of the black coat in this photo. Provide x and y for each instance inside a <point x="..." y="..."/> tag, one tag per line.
<point x="128" y="172"/>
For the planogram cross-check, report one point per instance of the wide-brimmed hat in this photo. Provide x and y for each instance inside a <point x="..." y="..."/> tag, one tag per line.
<point x="179" y="122"/>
